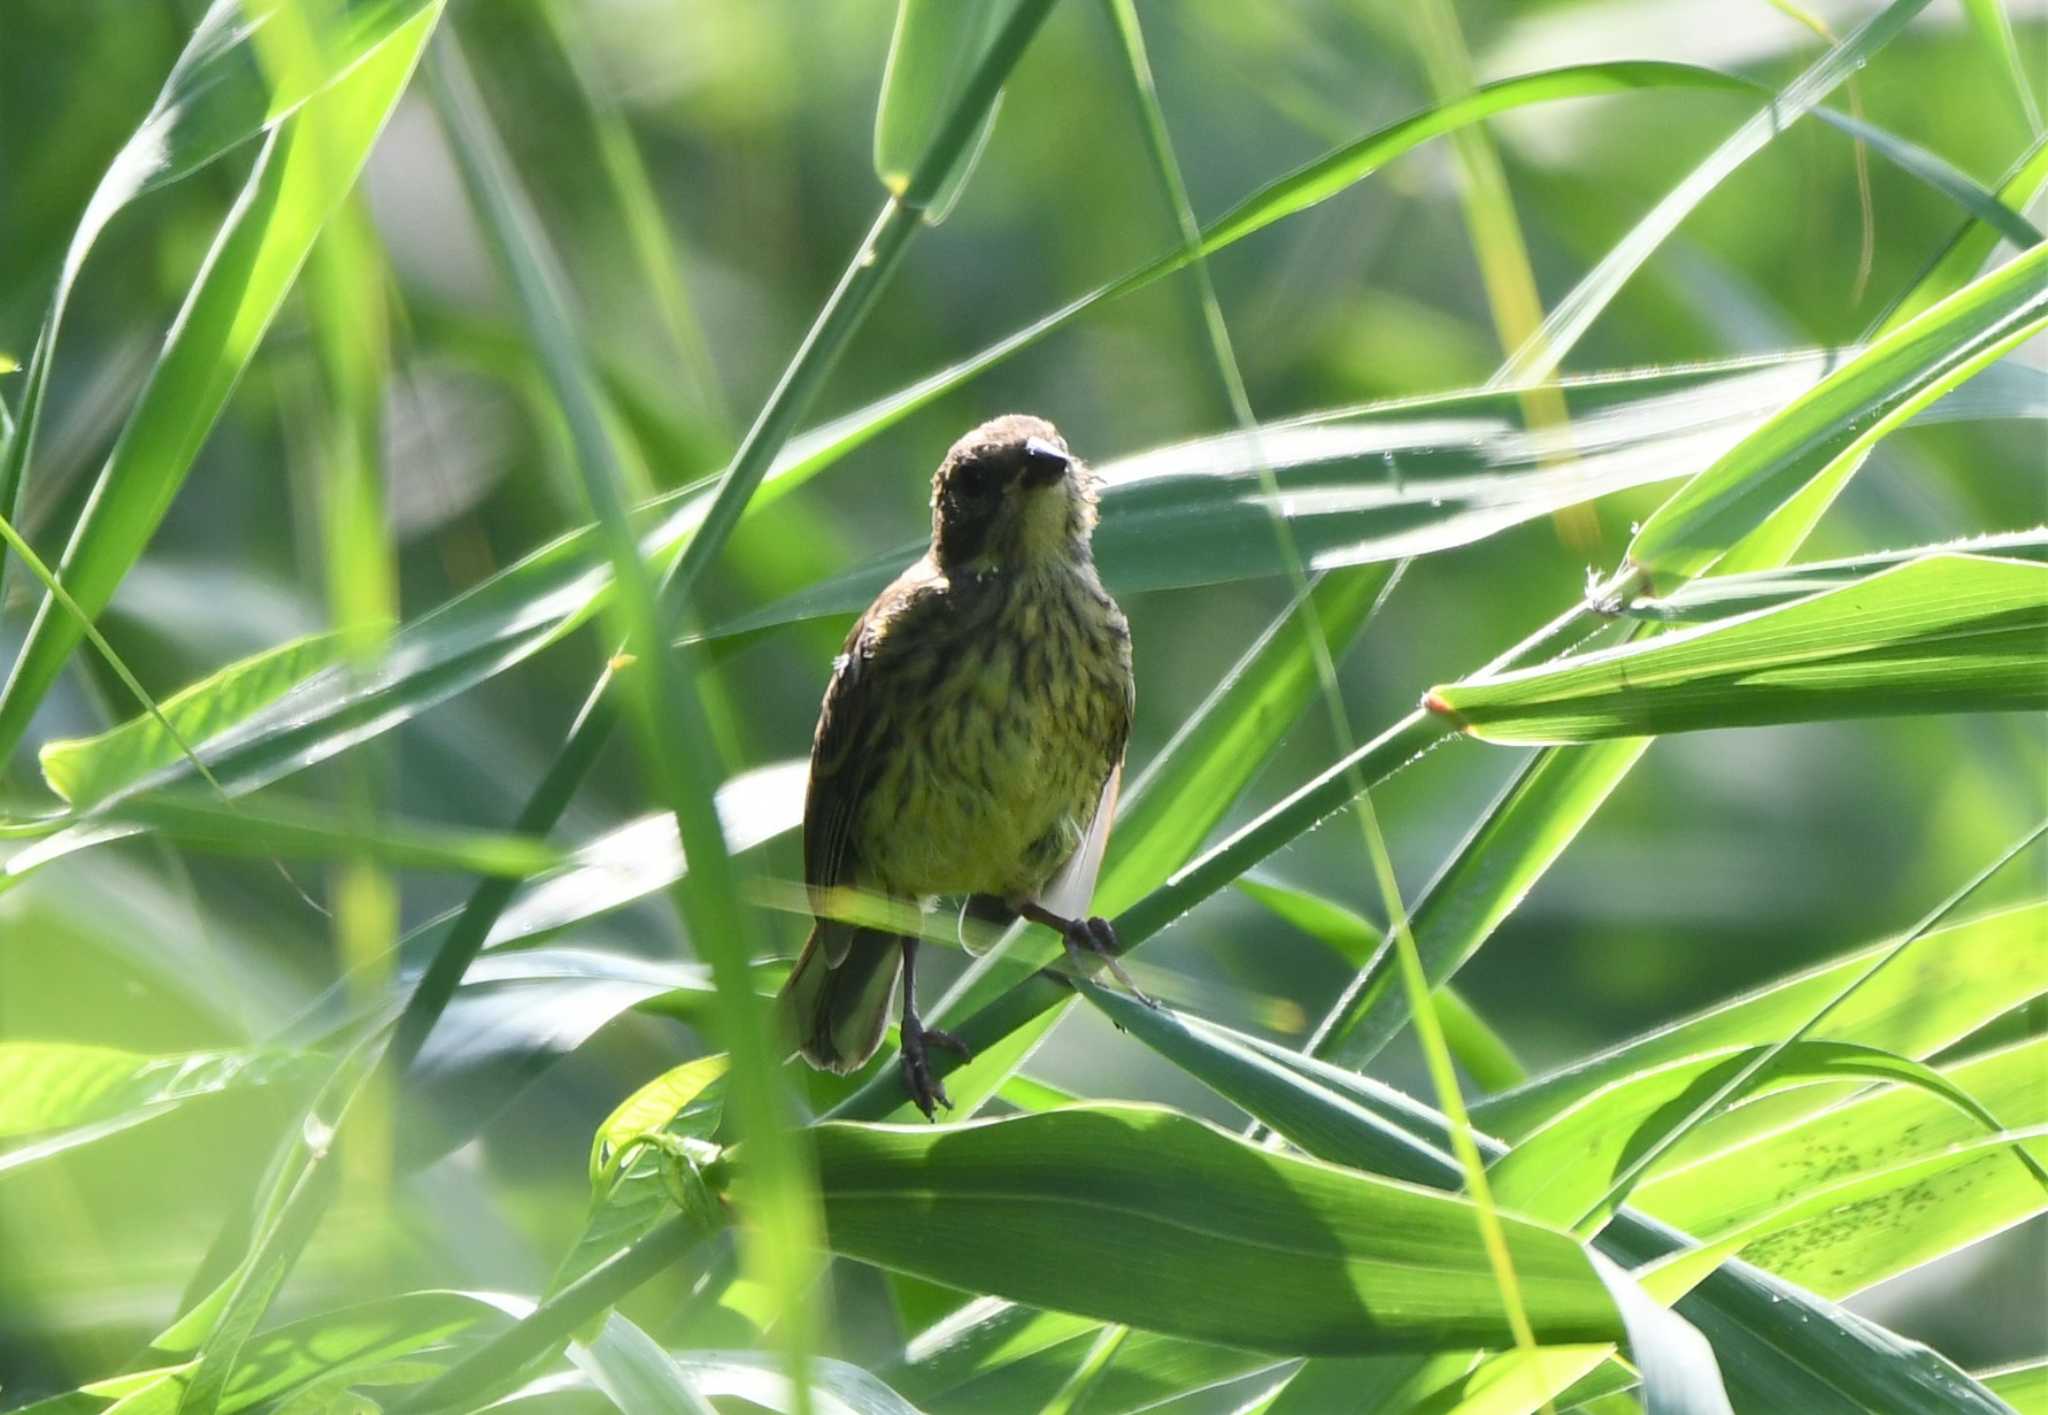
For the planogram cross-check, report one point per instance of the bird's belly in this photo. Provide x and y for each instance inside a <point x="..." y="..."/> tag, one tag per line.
<point x="987" y="799"/>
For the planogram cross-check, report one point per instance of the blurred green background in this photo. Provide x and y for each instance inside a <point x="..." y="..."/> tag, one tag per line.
<point x="1726" y="859"/>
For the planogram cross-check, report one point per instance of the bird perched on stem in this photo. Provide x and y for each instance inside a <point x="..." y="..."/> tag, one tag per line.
<point x="970" y="743"/>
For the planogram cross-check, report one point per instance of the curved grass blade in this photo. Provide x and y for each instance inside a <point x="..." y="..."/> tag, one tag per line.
<point x="1216" y="1239"/>
<point x="1561" y="1167"/>
<point x="1966" y="251"/>
<point x="932" y="52"/>
<point x="1994" y="30"/>
<point x="307" y="167"/>
<point x="217" y="97"/>
<point x="1576" y="312"/>
<point x="1873" y="1195"/>
<point x="1829" y="429"/>
<point x="1966" y="980"/>
<point x="1736" y="1184"/>
<point x="85" y="771"/>
<point x="1819" y="1357"/>
<point x="1951" y="633"/>
<point x="308" y="831"/>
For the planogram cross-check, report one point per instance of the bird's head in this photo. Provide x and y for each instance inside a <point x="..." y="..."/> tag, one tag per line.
<point x="1010" y="495"/>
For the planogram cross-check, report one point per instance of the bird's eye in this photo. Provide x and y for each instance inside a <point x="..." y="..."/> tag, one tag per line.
<point x="975" y="481"/>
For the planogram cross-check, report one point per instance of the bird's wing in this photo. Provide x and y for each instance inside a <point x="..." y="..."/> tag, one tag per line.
<point x="851" y="724"/>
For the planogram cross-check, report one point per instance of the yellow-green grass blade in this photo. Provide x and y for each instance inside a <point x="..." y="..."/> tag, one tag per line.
<point x="86" y="770"/>
<point x="265" y="828"/>
<point x="1950" y="633"/>
<point x="1140" y="1215"/>
<point x="1965" y="979"/>
<point x="1714" y="597"/>
<point x="1828" y="430"/>
<point x="1560" y="1171"/>
<point x="306" y="168"/>
<point x="2023" y="1386"/>
<point x="50" y="1086"/>
<point x="1994" y="31"/>
<point x="1949" y="1184"/>
<point x="1738" y="1185"/>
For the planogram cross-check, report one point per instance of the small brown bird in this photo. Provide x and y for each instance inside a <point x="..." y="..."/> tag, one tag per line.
<point x="970" y="742"/>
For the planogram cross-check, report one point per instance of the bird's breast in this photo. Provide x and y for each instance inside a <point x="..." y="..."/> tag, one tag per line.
<point x="1000" y="761"/>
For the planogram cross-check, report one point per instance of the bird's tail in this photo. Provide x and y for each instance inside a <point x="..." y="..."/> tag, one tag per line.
<point x="836" y="1002"/>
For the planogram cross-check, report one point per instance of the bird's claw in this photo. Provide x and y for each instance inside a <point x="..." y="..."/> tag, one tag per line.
<point x="1097" y="937"/>
<point x="927" y="1092"/>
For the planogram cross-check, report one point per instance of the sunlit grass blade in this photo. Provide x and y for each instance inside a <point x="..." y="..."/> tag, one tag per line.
<point x="216" y="98"/>
<point x="1952" y="633"/>
<point x="1967" y="250"/>
<point x="1558" y="1170"/>
<point x="1966" y="981"/>
<point x="86" y="770"/>
<point x="1823" y="1356"/>
<point x="1716" y="1192"/>
<point x="306" y="169"/>
<point x="270" y="828"/>
<point x="49" y="1086"/>
<point x="1574" y="314"/>
<point x="1725" y="596"/>
<point x="1831" y="427"/>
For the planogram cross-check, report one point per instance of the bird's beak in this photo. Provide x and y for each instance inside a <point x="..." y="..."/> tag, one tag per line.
<point x="1044" y="463"/>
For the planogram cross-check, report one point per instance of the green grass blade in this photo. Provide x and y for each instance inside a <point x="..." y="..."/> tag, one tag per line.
<point x="1829" y="429"/>
<point x="932" y="53"/>
<point x="1575" y="313"/>
<point x="1724" y="596"/>
<point x="1994" y="30"/>
<point x="1709" y="1194"/>
<point x="216" y="98"/>
<point x="668" y="716"/>
<point x="313" y="832"/>
<point x="1966" y="251"/>
<point x="1477" y="1047"/>
<point x="1297" y="1256"/>
<point x="1966" y="980"/>
<point x="307" y="167"/>
<point x="1536" y="816"/>
<point x="48" y="1086"/>
<point x="87" y="770"/>
<point x="1953" y="633"/>
<point x="1558" y="1170"/>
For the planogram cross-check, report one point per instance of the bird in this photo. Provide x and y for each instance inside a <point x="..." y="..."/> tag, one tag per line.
<point x="970" y="744"/>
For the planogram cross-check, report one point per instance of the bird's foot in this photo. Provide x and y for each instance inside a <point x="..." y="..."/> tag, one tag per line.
<point x="1094" y="940"/>
<point x="926" y="1091"/>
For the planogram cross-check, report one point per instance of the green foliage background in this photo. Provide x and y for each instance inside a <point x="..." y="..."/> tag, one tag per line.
<point x="703" y="173"/>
